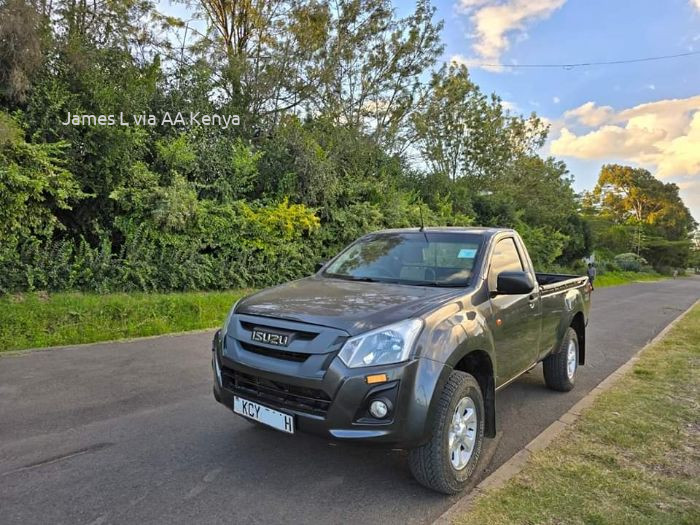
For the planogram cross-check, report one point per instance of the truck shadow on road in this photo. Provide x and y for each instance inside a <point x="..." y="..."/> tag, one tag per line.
<point x="307" y="471"/>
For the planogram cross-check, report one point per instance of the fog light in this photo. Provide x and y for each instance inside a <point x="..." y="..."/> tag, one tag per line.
<point x="378" y="409"/>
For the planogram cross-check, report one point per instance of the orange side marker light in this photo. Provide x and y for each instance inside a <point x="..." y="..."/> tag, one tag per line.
<point x="376" y="378"/>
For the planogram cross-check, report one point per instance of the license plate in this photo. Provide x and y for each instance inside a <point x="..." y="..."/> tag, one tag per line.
<point x="267" y="416"/>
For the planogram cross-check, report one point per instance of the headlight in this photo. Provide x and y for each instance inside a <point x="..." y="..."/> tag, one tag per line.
<point x="383" y="346"/>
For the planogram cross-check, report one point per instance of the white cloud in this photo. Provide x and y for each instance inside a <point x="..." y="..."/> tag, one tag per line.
<point x="589" y="114"/>
<point x="605" y="142"/>
<point x="495" y="22"/>
<point x="663" y="135"/>
<point x="652" y="87"/>
<point x="556" y="100"/>
<point x="696" y="3"/>
<point x="465" y="5"/>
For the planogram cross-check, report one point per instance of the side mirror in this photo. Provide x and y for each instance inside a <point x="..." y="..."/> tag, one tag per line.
<point x="514" y="283"/>
<point x="320" y="265"/>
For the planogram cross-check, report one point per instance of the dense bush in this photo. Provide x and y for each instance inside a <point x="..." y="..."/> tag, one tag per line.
<point x="318" y="159"/>
<point x="630" y="262"/>
<point x="224" y="247"/>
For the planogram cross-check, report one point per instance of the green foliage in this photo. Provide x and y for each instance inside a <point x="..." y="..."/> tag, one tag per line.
<point x="635" y="211"/>
<point x="630" y="262"/>
<point x="618" y="278"/>
<point x="296" y="164"/>
<point x="665" y="255"/>
<point x="635" y="196"/>
<point x="336" y="99"/>
<point x="694" y="259"/>
<point x="544" y="244"/>
<point x="37" y="320"/>
<point x="34" y="184"/>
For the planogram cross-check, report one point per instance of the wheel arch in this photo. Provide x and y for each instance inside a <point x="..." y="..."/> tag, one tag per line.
<point x="579" y="325"/>
<point x="479" y="364"/>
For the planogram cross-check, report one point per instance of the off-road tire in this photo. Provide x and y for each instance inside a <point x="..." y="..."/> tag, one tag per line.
<point x="430" y="464"/>
<point x="555" y="365"/>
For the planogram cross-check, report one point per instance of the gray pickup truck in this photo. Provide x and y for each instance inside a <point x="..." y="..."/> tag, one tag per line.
<point x="403" y="339"/>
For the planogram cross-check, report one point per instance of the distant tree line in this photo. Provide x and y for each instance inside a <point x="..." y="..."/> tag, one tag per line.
<point x="348" y="124"/>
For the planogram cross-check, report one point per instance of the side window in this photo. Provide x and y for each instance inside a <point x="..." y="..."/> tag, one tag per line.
<point x="505" y="258"/>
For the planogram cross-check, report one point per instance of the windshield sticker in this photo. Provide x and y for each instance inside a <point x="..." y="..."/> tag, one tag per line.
<point x="466" y="253"/>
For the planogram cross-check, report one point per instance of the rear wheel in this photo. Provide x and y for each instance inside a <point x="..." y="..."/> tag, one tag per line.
<point x="560" y="368"/>
<point x="447" y="462"/>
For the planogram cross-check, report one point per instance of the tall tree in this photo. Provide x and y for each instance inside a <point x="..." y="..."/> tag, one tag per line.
<point x="634" y="196"/>
<point x="461" y="132"/>
<point x="369" y="71"/>
<point x="259" y="51"/>
<point x="20" y="48"/>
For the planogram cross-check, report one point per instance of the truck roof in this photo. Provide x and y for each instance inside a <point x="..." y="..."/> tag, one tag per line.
<point x="452" y="229"/>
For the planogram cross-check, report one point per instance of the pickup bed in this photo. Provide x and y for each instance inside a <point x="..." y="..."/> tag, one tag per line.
<point x="403" y="339"/>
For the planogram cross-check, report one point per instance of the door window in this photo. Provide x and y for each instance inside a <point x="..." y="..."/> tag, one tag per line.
<point x="505" y="258"/>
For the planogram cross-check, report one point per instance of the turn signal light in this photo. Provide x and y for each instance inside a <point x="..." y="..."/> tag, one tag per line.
<point x="376" y="378"/>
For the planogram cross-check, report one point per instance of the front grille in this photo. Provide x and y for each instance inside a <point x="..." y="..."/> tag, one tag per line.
<point x="298" y="335"/>
<point x="276" y="393"/>
<point x="277" y="354"/>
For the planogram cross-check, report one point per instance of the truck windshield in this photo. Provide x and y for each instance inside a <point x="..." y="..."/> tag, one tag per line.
<point x="422" y="259"/>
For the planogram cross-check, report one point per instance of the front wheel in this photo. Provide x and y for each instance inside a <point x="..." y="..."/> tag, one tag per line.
<point x="447" y="462"/>
<point x="560" y="368"/>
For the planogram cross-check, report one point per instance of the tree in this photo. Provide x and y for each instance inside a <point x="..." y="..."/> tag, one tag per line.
<point x="260" y="50"/>
<point x="336" y="99"/>
<point x="369" y="70"/>
<point x="635" y="197"/>
<point x="461" y="132"/>
<point x="20" y="48"/>
<point x="625" y="193"/>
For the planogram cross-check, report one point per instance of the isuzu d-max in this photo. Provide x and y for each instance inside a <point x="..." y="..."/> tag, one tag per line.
<point x="403" y="339"/>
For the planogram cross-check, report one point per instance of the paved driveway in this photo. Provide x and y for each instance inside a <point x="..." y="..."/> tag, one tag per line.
<point x="129" y="433"/>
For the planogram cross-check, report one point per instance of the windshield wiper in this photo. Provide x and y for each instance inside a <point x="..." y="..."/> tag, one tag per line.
<point x="353" y="278"/>
<point x="438" y="284"/>
<point x="364" y="279"/>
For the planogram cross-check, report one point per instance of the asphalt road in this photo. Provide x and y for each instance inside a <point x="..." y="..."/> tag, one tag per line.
<point x="130" y="433"/>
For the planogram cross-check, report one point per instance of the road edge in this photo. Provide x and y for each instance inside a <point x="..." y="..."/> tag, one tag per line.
<point x="125" y="340"/>
<point x="518" y="461"/>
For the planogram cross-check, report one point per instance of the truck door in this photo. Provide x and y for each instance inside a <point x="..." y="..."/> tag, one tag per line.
<point x="516" y="319"/>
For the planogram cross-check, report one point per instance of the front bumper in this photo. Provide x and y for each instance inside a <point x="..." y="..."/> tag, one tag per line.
<point x="335" y="404"/>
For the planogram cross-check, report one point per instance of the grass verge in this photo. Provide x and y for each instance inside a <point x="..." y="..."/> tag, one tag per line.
<point x="617" y="278"/>
<point x="38" y="319"/>
<point x="633" y="457"/>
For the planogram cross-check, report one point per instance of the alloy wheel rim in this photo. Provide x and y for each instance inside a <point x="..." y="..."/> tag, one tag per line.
<point x="571" y="359"/>
<point x="462" y="433"/>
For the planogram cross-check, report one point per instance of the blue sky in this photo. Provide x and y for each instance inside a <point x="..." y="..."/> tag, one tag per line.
<point x="645" y="114"/>
<point x="640" y="113"/>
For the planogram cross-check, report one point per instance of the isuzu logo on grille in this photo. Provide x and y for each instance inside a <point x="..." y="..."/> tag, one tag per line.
<point x="270" y="338"/>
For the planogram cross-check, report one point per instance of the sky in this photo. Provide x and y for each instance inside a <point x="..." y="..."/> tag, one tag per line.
<point x="644" y="114"/>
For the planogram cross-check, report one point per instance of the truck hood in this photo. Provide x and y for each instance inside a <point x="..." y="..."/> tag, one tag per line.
<point x="352" y="306"/>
